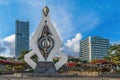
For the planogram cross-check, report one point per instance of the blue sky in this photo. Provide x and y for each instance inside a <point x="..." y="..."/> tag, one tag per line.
<point x="73" y="19"/>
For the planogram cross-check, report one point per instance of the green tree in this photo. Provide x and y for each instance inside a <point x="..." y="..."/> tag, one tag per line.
<point x="21" y="57"/>
<point x="107" y="58"/>
<point x="114" y="54"/>
<point x="2" y="57"/>
<point x="74" y="60"/>
<point x="115" y="50"/>
<point x="84" y="61"/>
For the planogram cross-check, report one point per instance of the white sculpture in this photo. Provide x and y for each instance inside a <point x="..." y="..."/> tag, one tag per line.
<point x="45" y="43"/>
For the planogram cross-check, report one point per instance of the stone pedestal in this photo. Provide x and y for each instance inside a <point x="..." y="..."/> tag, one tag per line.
<point x="44" y="68"/>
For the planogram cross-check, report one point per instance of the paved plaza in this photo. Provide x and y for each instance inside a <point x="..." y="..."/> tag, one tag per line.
<point x="12" y="77"/>
<point x="80" y="78"/>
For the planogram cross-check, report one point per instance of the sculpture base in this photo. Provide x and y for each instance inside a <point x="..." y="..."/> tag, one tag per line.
<point x="44" y="67"/>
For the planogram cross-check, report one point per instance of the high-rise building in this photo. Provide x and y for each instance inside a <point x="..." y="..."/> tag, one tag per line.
<point x="94" y="47"/>
<point x="21" y="37"/>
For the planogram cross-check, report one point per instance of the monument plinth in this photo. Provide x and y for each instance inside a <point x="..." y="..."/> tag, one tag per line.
<point x="45" y="44"/>
<point x="44" y="67"/>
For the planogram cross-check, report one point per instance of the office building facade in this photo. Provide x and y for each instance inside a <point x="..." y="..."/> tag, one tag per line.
<point x="94" y="47"/>
<point x="21" y="37"/>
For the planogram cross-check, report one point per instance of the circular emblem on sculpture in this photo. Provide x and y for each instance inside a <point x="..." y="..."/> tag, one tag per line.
<point x="46" y="43"/>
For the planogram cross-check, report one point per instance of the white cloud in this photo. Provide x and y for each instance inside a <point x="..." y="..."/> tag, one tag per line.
<point x="10" y="38"/>
<point x="6" y="55"/>
<point x="72" y="47"/>
<point x="2" y="48"/>
<point x="74" y="43"/>
<point x="9" y="44"/>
